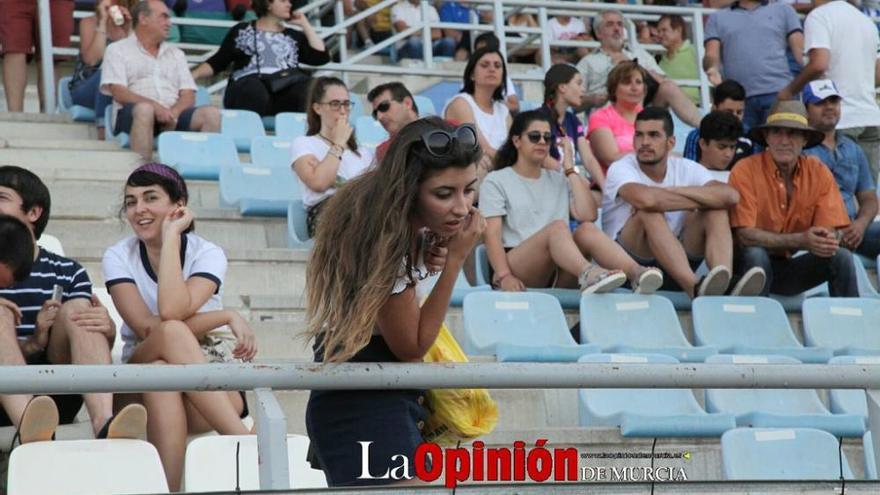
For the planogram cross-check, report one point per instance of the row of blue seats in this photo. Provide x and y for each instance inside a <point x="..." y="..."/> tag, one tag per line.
<point x="531" y="326"/>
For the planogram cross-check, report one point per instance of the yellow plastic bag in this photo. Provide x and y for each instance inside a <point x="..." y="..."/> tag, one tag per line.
<point x="456" y="414"/>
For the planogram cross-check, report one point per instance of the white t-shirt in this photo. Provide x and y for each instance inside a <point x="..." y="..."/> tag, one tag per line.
<point x="569" y="31"/>
<point x="680" y="172"/>
<point x="853" y="42"/>
<point x="411" y="14"/>
<point x="352" y="165"/>
<point x="493" y="126"/>
<point x="127" y="262"/>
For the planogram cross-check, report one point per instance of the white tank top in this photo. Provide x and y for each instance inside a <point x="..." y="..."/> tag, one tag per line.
<point x="493" y="125"/>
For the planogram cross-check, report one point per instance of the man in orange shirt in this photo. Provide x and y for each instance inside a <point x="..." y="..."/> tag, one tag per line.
<point x="788" y="203"/>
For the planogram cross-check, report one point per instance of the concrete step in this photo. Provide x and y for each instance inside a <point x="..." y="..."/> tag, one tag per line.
<point x="46" y="130"/>
<point x="44" y="161"/>
<point x="278" y="340"/>
<point x="63" y="144"/>
<point x="32" y="117"/>
<point x="85" y="196"/>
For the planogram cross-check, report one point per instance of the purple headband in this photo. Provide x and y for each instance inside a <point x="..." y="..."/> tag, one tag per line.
<point x="164" y="171"/>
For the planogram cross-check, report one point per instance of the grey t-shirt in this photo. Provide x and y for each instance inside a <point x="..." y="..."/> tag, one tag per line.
<point x="527" y="205"/>
<point x="753" y="44"/>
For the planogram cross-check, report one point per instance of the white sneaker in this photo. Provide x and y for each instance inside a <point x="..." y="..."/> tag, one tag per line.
<point x="751" y="283"/>
<point x="648" y="282"/>
<point x="714" y="283"/>
<point x="605" y="281"/>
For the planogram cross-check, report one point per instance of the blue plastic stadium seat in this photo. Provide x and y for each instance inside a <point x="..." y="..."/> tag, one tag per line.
<point x="269" y="123"/>
<point x="270" y="151"/>
<point x="870" y="462"/>
<point x="648" y="412"/>
<point x="369" y="131"/>
<point x="197" y="155"/>
<point x="493" y="319"/>
<point x="782" y="454"/>
<point x="359" y="107"/>
<point x="633" y="323"/>
<point x="297" y="229"/>
<point x="290" y="125"/>
<point x="78" y="113"/>
<point x="426" y="106"/>
<point x="122" y="137"/>
<point x="778" y="408"/>
<point x="866" y="288"/>
<point x="849" y="401"/>
<point x="461" y="289"/>
<point x="792" y="304"/>
<point x="525" y="105"/>
<point x="749" y="325"/>
<point x="203" y="98"/>
<point x="848" y="326"/>
<point x="259" y="191"/>
<point x="242" y="126"/>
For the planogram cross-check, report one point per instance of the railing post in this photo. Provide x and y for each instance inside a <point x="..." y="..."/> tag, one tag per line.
<point x="47" y="68"/>
<point x="271" y="441"/>
<point x="545" y="41"/>
<point x="498" y="20"/>
<point x="873" y="397"/>
<point x="697" y="26"/>
<point x="427" y="42"/>
<point x="339" y="16"/>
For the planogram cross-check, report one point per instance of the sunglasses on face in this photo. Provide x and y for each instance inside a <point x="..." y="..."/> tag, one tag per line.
<point x="439" y="142"/>
<point x="336" y="104"/>
<point x="381" y="108"/>
<point x="535" y="137"/>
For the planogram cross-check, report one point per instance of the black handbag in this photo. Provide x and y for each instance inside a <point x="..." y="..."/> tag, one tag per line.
<point x="281" y="80"/>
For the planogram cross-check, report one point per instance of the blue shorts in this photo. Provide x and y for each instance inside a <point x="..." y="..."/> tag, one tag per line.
<point x="668" y="282"/>
<point x="124" y="120"/>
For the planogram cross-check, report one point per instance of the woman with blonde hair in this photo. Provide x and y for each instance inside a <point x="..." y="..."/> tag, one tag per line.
<point x="378" y="237"/>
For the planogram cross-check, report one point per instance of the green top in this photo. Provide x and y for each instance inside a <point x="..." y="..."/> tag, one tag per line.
<point x="683" y="65"/>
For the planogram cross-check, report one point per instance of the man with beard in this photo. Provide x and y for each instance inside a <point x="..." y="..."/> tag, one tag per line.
<point x="669" y="212"/>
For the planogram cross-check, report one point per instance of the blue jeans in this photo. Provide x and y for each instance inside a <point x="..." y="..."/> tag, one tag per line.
<point x="790" y="276"/>
<point x="444" y="47"/>
<point x="870" y="245"/>
<point x="87" y="94"/>
<point x="757" y="108"/>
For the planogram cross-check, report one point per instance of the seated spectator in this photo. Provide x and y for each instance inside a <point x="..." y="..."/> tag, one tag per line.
<point x="680" y="59"/>
<point x="265" y="57"/>
<point x="563" y="89"/>
<point x="457" y="12"/>
<point x="406" y="13"/>
<point x="96" y="32"/>
<point x="719" y="138"/>
<point x="527" y="208"/>
<point x="567" y="28"/>
<point x="613" y="50"/>
<point x="480" y="102"/>
<point x="790" y="202"/>
<point x="848" y="164"/>
<point x="217" y="10"/>
<point x="531" y="55"/>
<point x="489" y="40"/>
<point x="38" y="328"/>
<point x="393" y="107"/>
<point x="730" y="97"/>
<point x="669" y="212"/>
<point x="379" y="23"/>
<point x="177" y="317"/>
<point x="612" y="128"/>
<point x="328" y="155"/>
<point x="150" y="82"/>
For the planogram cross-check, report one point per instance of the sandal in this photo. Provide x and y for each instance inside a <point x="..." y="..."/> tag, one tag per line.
<point x="648" y="281"/>
<point x="130" y="422"/>
<point x="38" y="421"/>
<point x="597" y="280"/>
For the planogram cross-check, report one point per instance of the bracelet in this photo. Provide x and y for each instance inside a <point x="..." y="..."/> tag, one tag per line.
<point x="570" y="171"/>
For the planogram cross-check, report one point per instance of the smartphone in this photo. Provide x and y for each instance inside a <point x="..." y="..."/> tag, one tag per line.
<point x="57" y="292"/>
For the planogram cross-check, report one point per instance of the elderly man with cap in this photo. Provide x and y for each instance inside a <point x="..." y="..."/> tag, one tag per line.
<point x="789" y="203"/>
<point x="846" y="160"/>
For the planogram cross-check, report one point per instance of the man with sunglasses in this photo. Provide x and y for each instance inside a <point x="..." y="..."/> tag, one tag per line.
<point x="393" y="107"/>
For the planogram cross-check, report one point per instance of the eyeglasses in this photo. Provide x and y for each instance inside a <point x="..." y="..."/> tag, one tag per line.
<point x="381" y="108"/>
<point x="335" y="104"/>
<point x="439" y="142"/>
<point x="535" y="137"/>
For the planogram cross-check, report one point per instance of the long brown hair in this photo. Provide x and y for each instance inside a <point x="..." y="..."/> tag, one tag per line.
<point x="364" y="236"/>
<point x="316" y="93"/>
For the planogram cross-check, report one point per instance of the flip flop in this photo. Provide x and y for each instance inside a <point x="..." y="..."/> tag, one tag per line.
<point x="130" y="422"/>
<point x="38" y="421"/>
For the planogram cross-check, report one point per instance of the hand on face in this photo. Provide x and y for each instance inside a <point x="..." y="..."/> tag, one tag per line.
<point x="461" y="244"/>
<point x="176" y="222"/>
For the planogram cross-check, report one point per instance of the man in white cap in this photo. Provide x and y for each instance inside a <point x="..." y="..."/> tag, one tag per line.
<point x="849" y="165"/>
<point x="789" y="202"/>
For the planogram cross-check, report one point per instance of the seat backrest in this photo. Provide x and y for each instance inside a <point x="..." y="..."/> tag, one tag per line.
<point x="203" y="98"/>
<point x="241" y="124"/>
<point x="521" y="318"/>
<point x="781" y="454"/>
<point x="200" y="148"/>
<point x="425" y="105"/>
<point x="369" y="131"/>
<point x="65" y="100"/>
<point x="842" y="322"/>
<point x="358" y="106"/>
<point x="630" y="319"/>
<point x="743" y="401"/>
<point x="255" y="182"/>
<point x="525" y="105"/>
<point x="297" y="227"/>
<point x="51" y="243"/>
<point x="211" y="464"/>
<point x="725" y="322"/>
<point x="271" y="151"/>
<point x="290" y="125"/>
<point x="91" y="467"/>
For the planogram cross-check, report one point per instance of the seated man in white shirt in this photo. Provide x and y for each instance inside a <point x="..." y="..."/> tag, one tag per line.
<point x="150" y="82"/>
<point x="669" y="212"/>
<point x="408" y="13"/>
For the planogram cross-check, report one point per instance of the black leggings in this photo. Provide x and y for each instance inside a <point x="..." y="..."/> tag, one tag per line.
<point x="249" y="93"/>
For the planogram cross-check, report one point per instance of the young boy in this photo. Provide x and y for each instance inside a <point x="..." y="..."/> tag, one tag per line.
<point x="730" y="97"/>
<point x="718" y="140"/>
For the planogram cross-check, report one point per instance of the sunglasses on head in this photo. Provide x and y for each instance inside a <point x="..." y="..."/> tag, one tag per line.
<point x="381" y="108"/>
<point x="336" y="104"/>
<point x="439" y="142"/>
<point x="535" y="137"/>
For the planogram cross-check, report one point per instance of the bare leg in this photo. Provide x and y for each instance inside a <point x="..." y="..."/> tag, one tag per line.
<point x="594" y="243"/>
<point x="648" y="235"/>
<point x="167" y="430"/>
<point x="708" y="232"/>
<point x="10" y="355"/>
<point x="206" y="119"/>
<point x="535" y="259"/>
<point x="669" y="94"/>
<point x="14" y="80"/>
<point x="143" y="121"/>
<point x="69" y="344"/>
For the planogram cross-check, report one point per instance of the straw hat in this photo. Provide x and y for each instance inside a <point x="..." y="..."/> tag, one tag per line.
<point x="788" y="114"/>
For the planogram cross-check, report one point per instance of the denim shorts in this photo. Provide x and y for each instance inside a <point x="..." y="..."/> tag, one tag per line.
<point x="124" y="120"/>
<point x="668" y="282"/>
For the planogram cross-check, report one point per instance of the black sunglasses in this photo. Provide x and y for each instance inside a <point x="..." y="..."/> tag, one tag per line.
<point x="535" y="137"/>
<point x="439" y="142"/>
<point x="381" y="108"/>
